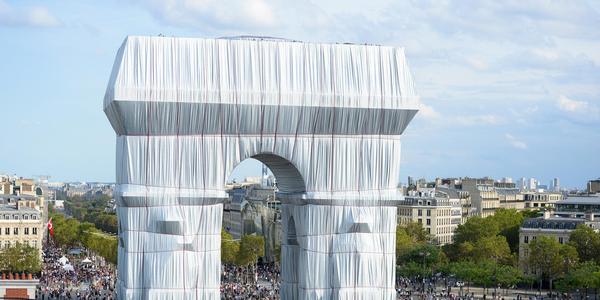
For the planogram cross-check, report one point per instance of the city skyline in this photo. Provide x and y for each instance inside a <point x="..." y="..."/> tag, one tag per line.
<point x="497" y="100"/>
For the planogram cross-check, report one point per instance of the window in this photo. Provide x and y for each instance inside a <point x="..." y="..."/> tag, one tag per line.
<point x="561" y="240"/>
<point x="428" y="221"/>
<point x="34" y="243"/>
<point x="429" y="212"/>
<point x="25" y="217"/>
<point x="15" y="217"/>
<point x="526" y="239"/>
<point x="34" y="230"/>
<point x="7" y="231"/>
<point x="420" y="212"/>
<point x="26" y="231"/>
<point x="34" y="217"/>
<point x="420" y="221"/>
<point x="16" y="231"/>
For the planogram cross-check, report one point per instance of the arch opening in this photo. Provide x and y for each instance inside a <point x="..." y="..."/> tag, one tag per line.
<point x="256" y="187"/>
<point x="287" y="178"/>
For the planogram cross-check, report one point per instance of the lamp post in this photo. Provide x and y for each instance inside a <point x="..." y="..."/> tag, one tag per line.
<point x="460" y="285"/>
<point x="424" y="255"/>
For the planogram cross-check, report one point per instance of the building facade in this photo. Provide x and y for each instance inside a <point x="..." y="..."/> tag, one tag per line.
<point x="466" y="206"/>
<point x="510" y="198"/>
<point x="254" y="209"/>
<point x="483" y="195"/>
<point x="541" y="200"/>
<point x="556" y="185"/>
<point x="549" y="225"/>
<point x="578" y="207"/>
<point x="594" y="186"/>
<point x="21" y="222"/>
<point x="435" y="211"/>
<point x="21" y="213"/>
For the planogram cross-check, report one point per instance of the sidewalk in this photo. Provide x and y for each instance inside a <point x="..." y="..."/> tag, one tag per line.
<point x="479" y="292"/>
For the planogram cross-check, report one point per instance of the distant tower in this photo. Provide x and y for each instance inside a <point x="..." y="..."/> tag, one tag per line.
<point x="411" y="181"/>
<point x="556" y="184"/>
<point x="523" y="184"/>
<point x="265" y="176"/>
<point x="532" y="184"/>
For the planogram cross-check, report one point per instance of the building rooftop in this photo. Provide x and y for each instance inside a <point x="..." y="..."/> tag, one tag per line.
<point x="425" y="201"/>
<point x="507" y="191"/>
<point x="552" y="223"/>
<point x="580" y="200"/>
<point x="13" y="208"/>
<point x="452" y="192"/>
<point x="15" y="197"/>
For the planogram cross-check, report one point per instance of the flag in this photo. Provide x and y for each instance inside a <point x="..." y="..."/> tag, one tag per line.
<point x="50" y="227"/>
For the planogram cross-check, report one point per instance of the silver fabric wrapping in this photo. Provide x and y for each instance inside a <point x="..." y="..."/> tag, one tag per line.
<point x="325" y="118"/>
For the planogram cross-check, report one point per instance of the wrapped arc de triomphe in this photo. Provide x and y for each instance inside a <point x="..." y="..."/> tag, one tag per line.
<point x="325" y="118"/>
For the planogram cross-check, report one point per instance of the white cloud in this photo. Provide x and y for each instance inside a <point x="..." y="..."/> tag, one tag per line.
<point x="477" y="63"/>
<point x="478" y="120"/>
<point x="578" y="111"/>
<point x="571" y="105"/>
<point x="37" y="16"/>
<point x="219" y="15"/>
<point x="428" y="112"/>
<point x="259" y="12"/>
<point x="41" y="17"/>
<point x="515" y="142"/>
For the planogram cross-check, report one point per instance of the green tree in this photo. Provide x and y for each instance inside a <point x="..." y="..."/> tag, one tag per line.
<point x="465" y="271"/>
<point x="493" y="248"/>
<point x="20" y="258"/>
<point x="587" y="243"/>
<point x="465" y="250"/>
<point x="229" y="248"/>
<point x="529" y="213"/>
<point x="412" y="269"/>
<point x="475" y="229"/>
<point x="417" y="233"/>
<point x="251" y="248"/>
<point x="404" y="242"/>
<point x="585" y="276"/>
<point x="429" y="258"/>
<point x="509" y="221"/>
<point x="550" y="259"/>
<point x="277" y="250"/>
<point x="484" y="273"/>
<point x="66" y="232"/>
<point x="508" y="276"/>
<point x="408" y="237"/>
<point x="70" y="232"/>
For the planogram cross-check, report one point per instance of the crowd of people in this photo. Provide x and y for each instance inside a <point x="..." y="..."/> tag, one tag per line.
<point x="76" y="279"/>
<point x="260" y="282"/>
<point x="95" y="279"/>
<point x="440" y="287"/>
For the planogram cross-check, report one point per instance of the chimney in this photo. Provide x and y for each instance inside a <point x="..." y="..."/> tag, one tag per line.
<point x="547" y="214"/>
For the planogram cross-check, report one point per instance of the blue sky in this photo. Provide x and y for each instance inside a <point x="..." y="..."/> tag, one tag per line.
<point x="510" y="88"/>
